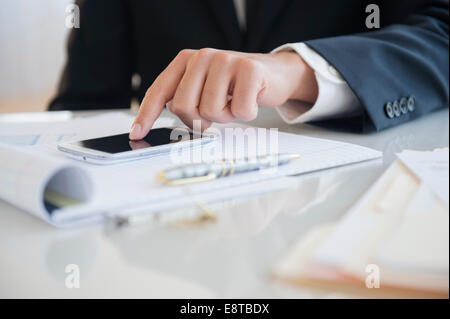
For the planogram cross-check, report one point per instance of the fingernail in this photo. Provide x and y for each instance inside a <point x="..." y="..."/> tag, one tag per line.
<point x="135" y="131"/>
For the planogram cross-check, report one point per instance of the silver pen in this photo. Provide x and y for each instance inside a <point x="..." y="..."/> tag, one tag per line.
<point x="202" y="172"/>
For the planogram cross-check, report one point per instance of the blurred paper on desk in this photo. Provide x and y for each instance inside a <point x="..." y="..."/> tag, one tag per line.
<point x="431" y="168"/>
<point x="400" y="227"/>
<point x="60" y="127"/>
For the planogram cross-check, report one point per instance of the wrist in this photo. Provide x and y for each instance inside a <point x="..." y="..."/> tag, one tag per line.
<point x="301" y="78"/>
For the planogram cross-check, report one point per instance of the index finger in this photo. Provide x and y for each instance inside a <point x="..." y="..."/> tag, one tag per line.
<point x="160" y="92"/>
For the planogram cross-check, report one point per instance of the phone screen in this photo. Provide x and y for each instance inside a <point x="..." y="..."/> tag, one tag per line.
<point x="121" y="143"/>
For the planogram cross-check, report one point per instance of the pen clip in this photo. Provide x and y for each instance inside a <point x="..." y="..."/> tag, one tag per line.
<point x="183" y="181"/>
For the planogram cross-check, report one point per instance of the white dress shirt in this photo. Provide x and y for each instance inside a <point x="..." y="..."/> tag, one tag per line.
<point x="335" y="98"/>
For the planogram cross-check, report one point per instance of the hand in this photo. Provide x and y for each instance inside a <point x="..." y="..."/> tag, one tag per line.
<point x="220" y="86"/>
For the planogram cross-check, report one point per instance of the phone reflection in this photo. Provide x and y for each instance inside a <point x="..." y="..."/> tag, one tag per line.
<point x="137" y="145"/>
<point x="142" y="144"/>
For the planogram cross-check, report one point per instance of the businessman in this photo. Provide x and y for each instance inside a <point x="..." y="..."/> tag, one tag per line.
<point x="220" y="60"/>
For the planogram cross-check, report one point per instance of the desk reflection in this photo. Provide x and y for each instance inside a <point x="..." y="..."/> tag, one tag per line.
<point x="241" y="246"/>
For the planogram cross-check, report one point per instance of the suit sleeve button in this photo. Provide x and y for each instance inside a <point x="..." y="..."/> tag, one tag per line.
<point x="404" y="105"/>
<point x="411" y="104"/>
<point x="389" y="111"/>
<point x="396" y="109"/>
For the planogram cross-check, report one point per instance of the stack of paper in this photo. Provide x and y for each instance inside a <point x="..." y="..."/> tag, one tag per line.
<point x="86" y="193"/>
<point x="394" y="242"/>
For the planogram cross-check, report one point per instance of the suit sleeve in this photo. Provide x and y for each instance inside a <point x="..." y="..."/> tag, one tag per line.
<point x="399" y="72"/>
<point x="99" y="64"/>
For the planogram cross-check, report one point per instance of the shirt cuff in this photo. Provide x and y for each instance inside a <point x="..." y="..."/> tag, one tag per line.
<point x="335" y="98"/>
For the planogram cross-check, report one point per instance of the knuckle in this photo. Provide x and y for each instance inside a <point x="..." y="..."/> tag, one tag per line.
<point x="152" y="91"/>
<point x="177" y="108"/>
<point x="244" y="114"/>
<point x="198" y="58"/>
<point x="148" y="93"/>
<point x="205" y="53"/>
<point x="222" y="58"/>
<point x="207" y="113"/>
<point x="184" y="53"/>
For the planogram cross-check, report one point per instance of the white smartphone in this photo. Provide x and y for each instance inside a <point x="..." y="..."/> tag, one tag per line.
<point x="119" y="148"/>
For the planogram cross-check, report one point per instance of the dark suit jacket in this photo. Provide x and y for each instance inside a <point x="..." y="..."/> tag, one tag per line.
<point x="398" y="72"/>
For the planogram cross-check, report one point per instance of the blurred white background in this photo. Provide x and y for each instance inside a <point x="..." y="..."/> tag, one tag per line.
<point x="33" y="45"/>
